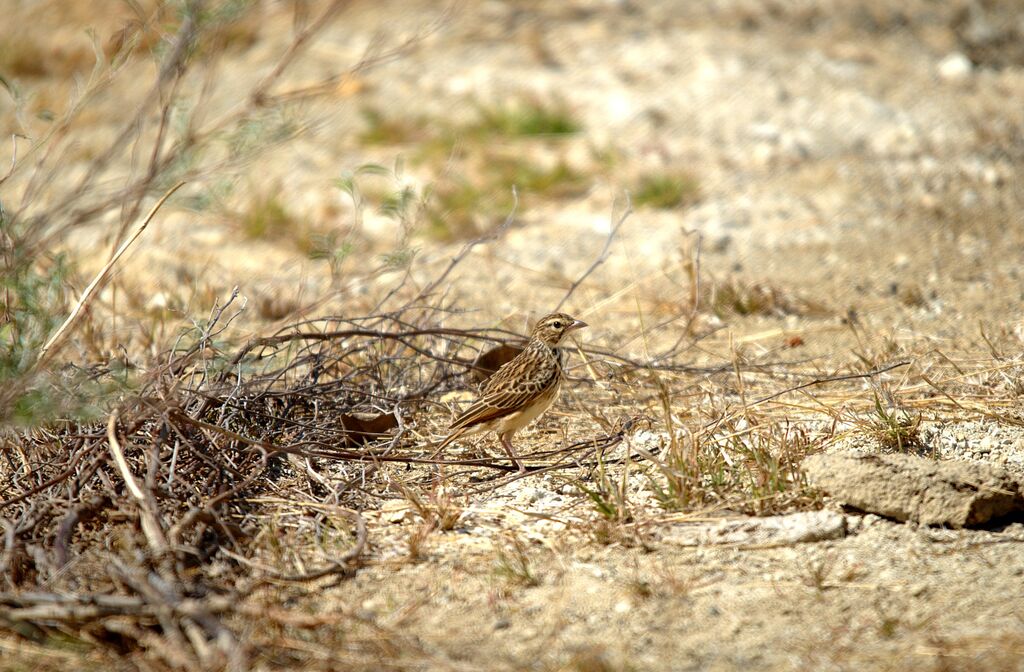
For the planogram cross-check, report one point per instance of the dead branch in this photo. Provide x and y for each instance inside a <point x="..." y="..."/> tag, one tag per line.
<point x="493" y="234"/>
<point x="605" y="251"/>
<point x="49" y="349"/>
<point x="343" y="564"/>
<point x="831" y="379"/>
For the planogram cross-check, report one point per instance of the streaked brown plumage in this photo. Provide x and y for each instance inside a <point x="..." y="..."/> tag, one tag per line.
<point x="521" y="390"/>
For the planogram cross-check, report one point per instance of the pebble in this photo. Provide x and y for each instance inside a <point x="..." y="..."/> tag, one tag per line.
<point x="955" y="68"/>
<point x="531" y="495"/>
<point x="977" y="440"/>
<point x="158" y="302"/>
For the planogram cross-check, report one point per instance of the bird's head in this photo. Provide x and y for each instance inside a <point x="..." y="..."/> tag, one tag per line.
<point x="553" y="328"/>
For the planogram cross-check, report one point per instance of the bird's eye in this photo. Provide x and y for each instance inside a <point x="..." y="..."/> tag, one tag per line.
<point x="556" y="324"/>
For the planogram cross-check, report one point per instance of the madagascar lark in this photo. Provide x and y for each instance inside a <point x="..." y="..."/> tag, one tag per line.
<point x="521" y="390"/>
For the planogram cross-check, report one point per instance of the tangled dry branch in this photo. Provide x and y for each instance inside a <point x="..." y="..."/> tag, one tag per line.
<point x="116" y="515"/>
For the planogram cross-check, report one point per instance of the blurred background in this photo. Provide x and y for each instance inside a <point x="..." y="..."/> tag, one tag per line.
<point x="788" y="164"/>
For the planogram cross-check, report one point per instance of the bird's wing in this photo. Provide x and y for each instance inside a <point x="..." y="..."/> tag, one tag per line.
<point x="512" y="387"/>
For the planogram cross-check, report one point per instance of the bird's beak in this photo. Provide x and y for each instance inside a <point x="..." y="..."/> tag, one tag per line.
<point x="577" y="324"/>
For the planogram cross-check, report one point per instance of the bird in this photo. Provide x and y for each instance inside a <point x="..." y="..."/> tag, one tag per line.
<point x="520" y="390"/>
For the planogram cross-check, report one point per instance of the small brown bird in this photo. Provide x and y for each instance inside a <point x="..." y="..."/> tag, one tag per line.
<point x="521" y="390"/>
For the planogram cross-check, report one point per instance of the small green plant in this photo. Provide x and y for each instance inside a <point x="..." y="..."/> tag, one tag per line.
<point x="331" y="248"/>
<point x="461" y="208"/>
<point x="32" y="306"/>
<point x="481" y="160"/>
<point x="525" y="119"/>
<point x="817" y="571"/>
<point x="455" y="207"/>
<point x="686" y="467"/>
<point x="894" y="427"/>
<point x="746" y="465"/>
<point x="608" y="159"/>
<point x="665" y="191"/>
<point x="520" y="125"/>
<point x="609" y="495"/>
<point x="558" y="181"/>
<point x="267" y="218"/>
<point x="396" y="200"/>
<point x="769" y="465"/>
<point x="513" y="561"/>
<point x="381" y="129"/>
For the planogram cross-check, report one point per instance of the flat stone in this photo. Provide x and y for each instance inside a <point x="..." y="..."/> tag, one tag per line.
<point x="794" y="528"/>
<point x="396" y="511"/>
<point x="908" y="487"/>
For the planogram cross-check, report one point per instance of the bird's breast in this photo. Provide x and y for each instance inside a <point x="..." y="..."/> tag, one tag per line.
<point x="516" y="421"/>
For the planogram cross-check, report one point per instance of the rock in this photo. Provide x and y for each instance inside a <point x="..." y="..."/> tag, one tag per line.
<point x="794" y="528"/>
<point x="858" y="524"/>
<point x="955" y="68"/>
<point x="908" y="487"/>
<point x="530" y="495"/>
<point x="396" y="511"/>
<point x="986" y="444"/>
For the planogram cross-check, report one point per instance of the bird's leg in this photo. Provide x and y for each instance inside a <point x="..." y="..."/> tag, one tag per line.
<point x="506" y="443"/>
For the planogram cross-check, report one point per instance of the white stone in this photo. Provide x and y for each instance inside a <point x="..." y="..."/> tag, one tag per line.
<point x="986" y="444"/>
<point x="158" y="302"/>
<point x="807" y="526"/>
<point x="955" y="68"/>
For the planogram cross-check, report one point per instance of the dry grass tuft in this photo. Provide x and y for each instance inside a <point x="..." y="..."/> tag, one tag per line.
<point x="734" y="297"/>
<point x="513" y="562"/>
<point x="24" y="56"/>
